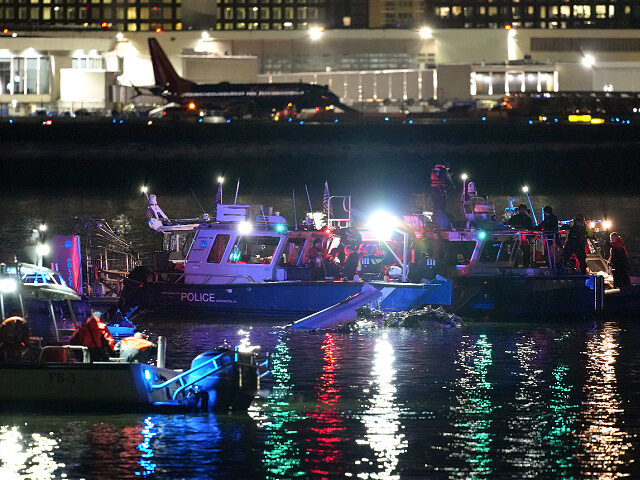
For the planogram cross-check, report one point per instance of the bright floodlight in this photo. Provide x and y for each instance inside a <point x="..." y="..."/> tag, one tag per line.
<point x="205" y="36"/>
<point x="43" y="227"/>
<point x="525" y="189"/>
<point x="606" y="224"/>
<point x="426" y="33"/>
<point x="245" y="228"/>
<point x="382" y="225"/>
<point x="144" y="189"/>
<point x="588" y="60"/>
<point x="464" y="176"/>
<point x="42" y="249"/>
<point x="119" y="36"/>
<point x="316" y="32"/>
<point x="8" y="285"/>
<point x="220" y="179"/>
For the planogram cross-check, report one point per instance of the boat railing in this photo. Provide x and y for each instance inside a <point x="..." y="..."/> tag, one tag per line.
<point x="61" y="352"/>
<point x="335" y="222"/>
<point x="215" y="364"/>
<point x="231" y="277"/>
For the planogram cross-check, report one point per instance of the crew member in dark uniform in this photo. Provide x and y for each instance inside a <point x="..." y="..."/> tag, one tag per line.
<point x="521" y="220"/>
<point x="549" y="224"/>
<point x="619" y="261"/>
<point x="577" y="244"/>
<point x="440" y="182"/>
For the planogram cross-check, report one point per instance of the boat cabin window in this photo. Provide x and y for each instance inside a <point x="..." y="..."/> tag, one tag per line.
<point x="218" y="248"/>
<point x="497" y="251"/>
<point x="253" y="249"/>
<point x="292" y="251"/>
<point x="459" y="253"/>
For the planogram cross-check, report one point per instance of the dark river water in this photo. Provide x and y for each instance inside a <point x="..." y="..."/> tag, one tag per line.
<point x="512" y="400"/>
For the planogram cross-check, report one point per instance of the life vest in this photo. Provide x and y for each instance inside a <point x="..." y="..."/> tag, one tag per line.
<point x="437" y="178"/>
<point x="14" y="332"/>
<point x="90" y="333"/>
<point x="141" y="344"/>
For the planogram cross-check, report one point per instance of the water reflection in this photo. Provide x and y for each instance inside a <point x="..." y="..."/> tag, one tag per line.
<point x="604" y="443"/>
<point x="382" y="417"/>
<point x="472" y="410"/>
<point x="325" y="451"/>
<point x="281" y="456"/>
<point x="23" y="456"/>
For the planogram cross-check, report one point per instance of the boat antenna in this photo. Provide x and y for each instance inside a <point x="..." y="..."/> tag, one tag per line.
<point x="263" y="217"/>
<point x="308" y="198"/>
<point x="525" y="189"/>
<point x="235" y="199"/>
<point x="295" y="217"/>
<point x="198" y="201"/>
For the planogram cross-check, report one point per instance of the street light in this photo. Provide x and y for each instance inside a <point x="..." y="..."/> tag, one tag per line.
<point x="425" y="33"/>
<point x="464" y="177"/>
<point x="588" y="60"/>
<point x="316" y="33"/>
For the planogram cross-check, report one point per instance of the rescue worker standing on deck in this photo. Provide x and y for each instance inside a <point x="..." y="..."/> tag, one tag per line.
<point x="136" y="349"/>
<point x="94" y="335"/>
<point x="440" y="182"/>
<point x="619" y="261"/>
<point x="577" y="243"/>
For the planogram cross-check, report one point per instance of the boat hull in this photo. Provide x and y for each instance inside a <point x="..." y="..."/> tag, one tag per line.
<point x="525" y="297"/>
<point x="85" y="386"/>
<point x="280" y="299"/>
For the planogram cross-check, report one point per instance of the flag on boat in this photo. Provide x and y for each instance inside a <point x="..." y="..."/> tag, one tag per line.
<point x="219" y="194"/>
<point x="326" y="206"/>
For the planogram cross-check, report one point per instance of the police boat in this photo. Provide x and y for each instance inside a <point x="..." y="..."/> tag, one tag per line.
<point x="251" y="264"/>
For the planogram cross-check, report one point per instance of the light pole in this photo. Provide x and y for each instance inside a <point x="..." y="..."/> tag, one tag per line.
<point x="464" y="191"/>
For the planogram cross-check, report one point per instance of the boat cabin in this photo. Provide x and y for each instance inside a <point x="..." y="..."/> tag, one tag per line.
<point x="241" y="251"/>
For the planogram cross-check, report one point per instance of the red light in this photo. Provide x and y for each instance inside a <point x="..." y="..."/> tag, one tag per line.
<point x="164" y="113"/>
<point x="507" y="27"/>
<point x="158" y="30"/>
<point x="103" y="24"/>
<point x="155" y="8"/>
<point x="6" y="30"/>
<point x="317" y="108"/>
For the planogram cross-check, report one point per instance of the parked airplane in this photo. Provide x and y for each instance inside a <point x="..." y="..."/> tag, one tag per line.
<point x="238" y="99"/>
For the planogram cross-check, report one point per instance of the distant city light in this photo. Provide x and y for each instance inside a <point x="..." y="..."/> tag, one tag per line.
<point x="316" y="32"/>
<point x="205" y="36"/>
<point x="119" y="36"/>
<point x="588" y="60"/>
<point x="287" y="24"/>
<point x="425" y="33"/>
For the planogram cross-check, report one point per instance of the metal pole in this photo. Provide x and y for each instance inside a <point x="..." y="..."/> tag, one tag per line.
<point x="2" y="305"/>
<point x="405" y="254"/>
<point x="531" y="207"/>
<point x="308" y="198"/>
<point x="162" y="352"/>
<point x="295" y="216"/>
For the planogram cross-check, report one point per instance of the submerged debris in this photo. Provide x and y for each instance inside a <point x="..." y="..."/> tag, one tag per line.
<point x="426" y="317"/>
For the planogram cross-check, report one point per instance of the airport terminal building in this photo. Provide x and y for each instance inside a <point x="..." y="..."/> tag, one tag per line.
<point x="98" y="70"/>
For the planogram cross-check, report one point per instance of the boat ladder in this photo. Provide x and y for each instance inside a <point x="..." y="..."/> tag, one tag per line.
<point x="253" y="360"/>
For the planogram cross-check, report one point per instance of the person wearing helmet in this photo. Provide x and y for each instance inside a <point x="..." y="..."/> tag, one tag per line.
<point x="619" y="261"/>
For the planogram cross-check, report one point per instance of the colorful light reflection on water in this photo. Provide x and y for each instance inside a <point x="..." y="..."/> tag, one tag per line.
<point x="476" y="402"/>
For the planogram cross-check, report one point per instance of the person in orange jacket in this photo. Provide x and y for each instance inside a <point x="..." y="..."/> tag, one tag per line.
<point x="94" y="335"/>
<point x="136" y="349"/>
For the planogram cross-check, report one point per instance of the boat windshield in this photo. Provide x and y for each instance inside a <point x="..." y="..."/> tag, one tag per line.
<point x="459" y="253"/>
<point x="292" y="251"/>
<point x="253" y="249"/>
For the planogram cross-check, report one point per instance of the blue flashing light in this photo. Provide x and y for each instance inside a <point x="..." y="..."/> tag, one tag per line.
<point x="301" y="122"/>
<point x="121" y="121"/>
<point x="291" y="120"/>
<point x="555" y="120"/>
<point x="113" y="121"/>
<point x="484" y="119"/>
<point x="199" y="120"/>
<point x="11" y="120"/>
<point x="628" y="122"/>
<point x="280" y="227"/>
<point x="530" y="122"/>
<point x="612" y="119"/>
<point x="410" y="122"/>
<point x="228" y="120"/>
<point x="386" y="119"/>
<point x="444" y="120"/>
<point x="482" y="235"/>
<point x="617" y="119"/>
<point x="335" y="121"/>
<point x="147" y="375"/>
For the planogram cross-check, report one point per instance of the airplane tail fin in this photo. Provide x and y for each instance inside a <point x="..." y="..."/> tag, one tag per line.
<point x="163" y="71"/>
